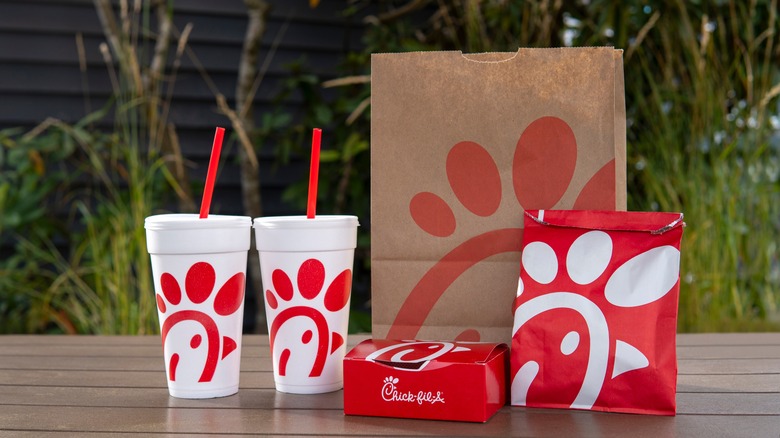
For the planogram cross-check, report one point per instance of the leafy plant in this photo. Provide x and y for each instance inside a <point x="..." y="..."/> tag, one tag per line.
<point x="706" y="141"/>
<point x="33" y="171"/>
<point x="89" y="271"/>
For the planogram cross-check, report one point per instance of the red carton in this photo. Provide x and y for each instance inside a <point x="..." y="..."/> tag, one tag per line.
<point x="462" y="381"/>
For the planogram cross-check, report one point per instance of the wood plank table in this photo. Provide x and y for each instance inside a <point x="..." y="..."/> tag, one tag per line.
<point x="729" y="385"/>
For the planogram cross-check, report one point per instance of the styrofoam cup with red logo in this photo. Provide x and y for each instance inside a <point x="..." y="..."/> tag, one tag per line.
<point x="199" y="269"/>
<point x="306" y="265"/>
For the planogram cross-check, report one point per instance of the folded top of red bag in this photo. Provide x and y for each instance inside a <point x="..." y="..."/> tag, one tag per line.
<point x="651" y="222"/>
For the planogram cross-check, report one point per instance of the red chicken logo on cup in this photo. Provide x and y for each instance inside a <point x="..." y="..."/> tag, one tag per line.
<point x="175" y="311"/>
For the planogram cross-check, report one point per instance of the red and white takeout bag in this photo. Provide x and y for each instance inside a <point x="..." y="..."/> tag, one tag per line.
<point x="595" y="317"/>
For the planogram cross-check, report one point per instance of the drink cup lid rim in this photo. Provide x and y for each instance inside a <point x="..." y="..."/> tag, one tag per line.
<point x="186" y="221"/>
<point x="322" y="221"/>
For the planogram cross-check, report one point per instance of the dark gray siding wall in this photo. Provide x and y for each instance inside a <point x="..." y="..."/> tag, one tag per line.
<point x="40" y="75"/>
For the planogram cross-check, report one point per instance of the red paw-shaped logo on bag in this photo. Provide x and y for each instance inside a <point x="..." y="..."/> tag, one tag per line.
<point x="543" y="166"/>
<point x="305" y="309"/>
<point x="595" y="322"/>
<point x="180" y="311"/>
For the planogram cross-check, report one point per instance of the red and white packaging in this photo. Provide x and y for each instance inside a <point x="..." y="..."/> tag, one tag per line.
<point x="595" y="316"/>
<point x="459" y="381"/>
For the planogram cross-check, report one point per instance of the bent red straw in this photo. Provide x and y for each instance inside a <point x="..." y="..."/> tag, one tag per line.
<point x="211" y="176"/>
<point x="314" y="172"/>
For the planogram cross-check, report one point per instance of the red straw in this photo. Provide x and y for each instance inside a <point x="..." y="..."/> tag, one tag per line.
<point x="211" y="176"/>
<point x="314" y="172"/>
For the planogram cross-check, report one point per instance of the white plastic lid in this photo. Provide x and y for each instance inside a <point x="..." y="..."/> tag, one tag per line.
<point x="292" y="222"/>
<point x="194" y="222"/>
<point x="300" y="234"/>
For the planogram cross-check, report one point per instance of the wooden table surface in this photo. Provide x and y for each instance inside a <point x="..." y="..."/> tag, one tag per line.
<point x="728" y="385"/>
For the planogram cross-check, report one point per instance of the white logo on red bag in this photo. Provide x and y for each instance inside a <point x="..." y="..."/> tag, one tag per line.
<point x="390" y="393"/>
<point x="639" y="281"/>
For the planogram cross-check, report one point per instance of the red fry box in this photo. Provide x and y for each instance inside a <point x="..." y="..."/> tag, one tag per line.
<point x="461" y="381"/>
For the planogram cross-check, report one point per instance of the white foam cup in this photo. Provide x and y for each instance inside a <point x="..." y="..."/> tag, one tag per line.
<point x="306" y="266"/>
<point x="199" y="268"/>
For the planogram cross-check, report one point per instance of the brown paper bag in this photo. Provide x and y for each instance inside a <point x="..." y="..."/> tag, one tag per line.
<point x="460" y="145"/>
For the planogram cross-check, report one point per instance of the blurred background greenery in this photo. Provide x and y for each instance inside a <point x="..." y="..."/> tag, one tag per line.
<point x="702" y="80"/>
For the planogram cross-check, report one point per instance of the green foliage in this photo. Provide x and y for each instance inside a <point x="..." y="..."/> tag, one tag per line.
<point x="87" y="272"/>
<point x="704" y="139"/>
<point x="79" y="261"/>
<point x="32" y="171"/>
<point x="27" y="180"/>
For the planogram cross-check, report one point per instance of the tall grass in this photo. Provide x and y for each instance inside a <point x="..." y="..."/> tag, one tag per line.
<point x="108" y="277"/>
<point x="103" y="283"/>
<point x="706" y="141"/>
